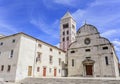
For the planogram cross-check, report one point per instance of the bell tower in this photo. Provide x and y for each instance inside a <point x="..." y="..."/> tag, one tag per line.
<point x="67" y="31"/>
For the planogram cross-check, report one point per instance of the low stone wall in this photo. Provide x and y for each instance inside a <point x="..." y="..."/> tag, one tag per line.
<point x="71" y="80"/>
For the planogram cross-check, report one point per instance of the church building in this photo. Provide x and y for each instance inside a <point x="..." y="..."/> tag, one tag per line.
<point x="88" y="54"/>
<point x="91" y="55"/>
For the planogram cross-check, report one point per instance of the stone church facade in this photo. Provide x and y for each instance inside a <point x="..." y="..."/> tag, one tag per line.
<point x="92" y="55"/>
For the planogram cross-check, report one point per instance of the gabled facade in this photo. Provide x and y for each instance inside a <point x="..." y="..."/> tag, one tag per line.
<point x="92" y="55"/>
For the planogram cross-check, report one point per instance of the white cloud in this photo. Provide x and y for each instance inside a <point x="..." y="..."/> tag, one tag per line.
<point x="109" y="33"/>
<point x="77" y="15"/>
<point x="116" y="43"/>
<point x="7" y="28"/>
<point x="104" y="2"/>
<point x="65" y="2"/>
<point x="50" y="29"/>
<point x="100" y="15"/>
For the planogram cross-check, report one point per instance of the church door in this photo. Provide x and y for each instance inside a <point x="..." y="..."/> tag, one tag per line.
<point x="89" y="70"/>
<point x="44" y="71"/>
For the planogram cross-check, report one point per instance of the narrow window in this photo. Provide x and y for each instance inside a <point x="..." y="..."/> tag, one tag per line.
<point x="38" y="69"/>
<point x="59" y="52"/>
<point x="50" y="49"/>
<point x="63" y="39"/>
<point x="13" y="41"/>
<point x="50" y="59"/>
<point x="67" y="32"/>
<point x="38" y="57"/>
<point x="106" y="60"/>
<point x="9" y="67"/>
<point x="39" y="45"/>
<point x="2" y="67"/>
<point x="11" y="54"/>
<point x="72" y="62"/>
<point x="63" y="33"/>
<point x="67" y="38"/>
<point x="59" y="61"/>
<point x="72" y="51"/>
<point x="1" y="43"/>
<point x="87" y="50"/>
<point x="105" y="48"/>
<point x="88" y="57"/>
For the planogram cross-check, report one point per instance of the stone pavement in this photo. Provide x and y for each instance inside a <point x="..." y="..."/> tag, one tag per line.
<point x="71" y="80"/>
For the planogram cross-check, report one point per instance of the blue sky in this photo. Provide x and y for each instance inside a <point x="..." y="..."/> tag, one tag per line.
<point x="41" y="18"/>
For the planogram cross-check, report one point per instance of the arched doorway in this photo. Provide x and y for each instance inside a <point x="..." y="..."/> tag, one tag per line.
<point x="88" y="67"/>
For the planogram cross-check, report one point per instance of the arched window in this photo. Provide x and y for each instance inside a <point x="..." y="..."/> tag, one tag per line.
<point x="72" y="62"/>
<point x="106" y="60"/>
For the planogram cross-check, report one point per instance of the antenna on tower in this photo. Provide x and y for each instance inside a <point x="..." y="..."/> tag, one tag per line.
<point x="68" y="10"/>
<point x="85" y="21"/>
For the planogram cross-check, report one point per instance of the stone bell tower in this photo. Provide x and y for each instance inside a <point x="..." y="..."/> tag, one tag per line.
<point x="67" y="31"/>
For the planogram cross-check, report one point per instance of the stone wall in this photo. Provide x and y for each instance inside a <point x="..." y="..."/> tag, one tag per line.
<point x="70" y="80"/>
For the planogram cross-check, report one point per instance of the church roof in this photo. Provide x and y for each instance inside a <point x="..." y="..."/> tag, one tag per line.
<point x="67" y="15"/>
<point x="87" y="29"/>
